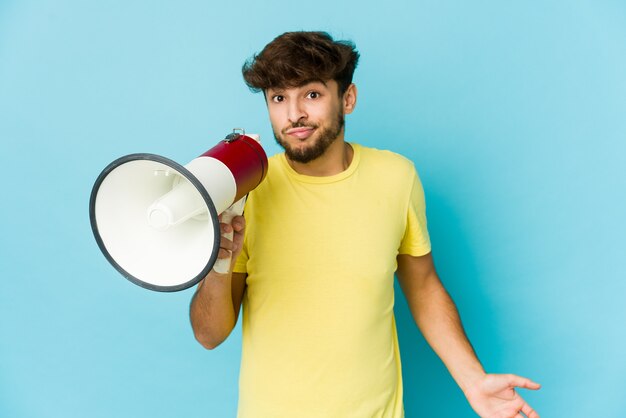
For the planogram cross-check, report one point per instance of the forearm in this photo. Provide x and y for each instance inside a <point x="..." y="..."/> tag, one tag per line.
<point x="211" y="312"/>
<point x="438" y="319"/>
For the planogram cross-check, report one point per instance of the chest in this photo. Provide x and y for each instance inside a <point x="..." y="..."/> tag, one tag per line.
<point x="326" y="229"/>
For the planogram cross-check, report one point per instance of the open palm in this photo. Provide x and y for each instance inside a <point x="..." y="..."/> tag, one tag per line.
<point x="494" y="396"/>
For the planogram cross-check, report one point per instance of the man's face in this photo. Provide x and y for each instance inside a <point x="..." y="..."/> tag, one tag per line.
<point x="306" y="120"/>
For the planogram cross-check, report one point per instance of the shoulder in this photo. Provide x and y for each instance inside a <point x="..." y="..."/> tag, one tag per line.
<point x="273" y="160"/>
<point x="275" y="178"/>
<point x="274" y="165"/>
<point x="385" y="160"/>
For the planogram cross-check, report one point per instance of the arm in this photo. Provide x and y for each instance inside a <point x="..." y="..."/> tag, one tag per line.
<point x="215" y="305"/>
<point x="436" y="316"/>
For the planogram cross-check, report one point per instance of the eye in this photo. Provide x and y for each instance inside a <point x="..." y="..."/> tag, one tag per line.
<point x="277" y="98"/>
<point x="313" y="95"/>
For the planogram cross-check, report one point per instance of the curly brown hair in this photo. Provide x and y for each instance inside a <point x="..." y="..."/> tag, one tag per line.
<point x="294" y="59"/>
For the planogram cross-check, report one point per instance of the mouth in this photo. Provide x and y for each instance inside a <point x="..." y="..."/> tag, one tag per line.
<point x="301" y="132"/>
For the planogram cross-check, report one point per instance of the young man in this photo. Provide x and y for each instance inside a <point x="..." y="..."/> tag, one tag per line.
<point x="326" y="231"/>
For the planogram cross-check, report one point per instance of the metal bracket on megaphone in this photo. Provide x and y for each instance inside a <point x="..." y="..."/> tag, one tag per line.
<point x="237" y="132"/>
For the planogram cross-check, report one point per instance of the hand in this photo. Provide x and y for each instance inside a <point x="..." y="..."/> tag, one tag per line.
<point x="234" y="246"/>
<point x="494" y="396"/>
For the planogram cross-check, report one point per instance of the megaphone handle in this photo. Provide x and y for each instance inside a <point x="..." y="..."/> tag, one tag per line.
<point x="222" y="265"/>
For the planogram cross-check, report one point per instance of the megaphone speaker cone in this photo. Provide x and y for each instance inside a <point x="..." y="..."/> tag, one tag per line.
<point x="155" y="222"/>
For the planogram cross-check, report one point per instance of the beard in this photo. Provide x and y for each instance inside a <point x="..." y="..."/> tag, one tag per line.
<point x="325" y="137"/>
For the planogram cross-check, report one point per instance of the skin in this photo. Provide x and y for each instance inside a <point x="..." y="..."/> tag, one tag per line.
<point x="308" y="122"/>
<point x="301" y="118"/>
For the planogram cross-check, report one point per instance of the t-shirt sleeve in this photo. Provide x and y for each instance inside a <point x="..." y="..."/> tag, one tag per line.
<point x="416" y="241"/>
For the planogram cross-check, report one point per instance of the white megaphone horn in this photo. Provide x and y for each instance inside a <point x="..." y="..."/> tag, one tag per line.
<point x="156" y="221"/>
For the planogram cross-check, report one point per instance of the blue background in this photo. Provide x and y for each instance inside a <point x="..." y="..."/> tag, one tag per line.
<point x="513" y="112"/>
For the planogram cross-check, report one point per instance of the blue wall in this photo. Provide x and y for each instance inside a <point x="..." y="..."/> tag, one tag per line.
<point x="514" y="113"/>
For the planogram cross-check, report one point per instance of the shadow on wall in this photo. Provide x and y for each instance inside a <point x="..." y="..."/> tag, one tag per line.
<point x="429" y="390"/>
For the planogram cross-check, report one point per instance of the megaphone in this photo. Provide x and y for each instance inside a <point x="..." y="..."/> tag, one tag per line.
<point x="156" y="221"/>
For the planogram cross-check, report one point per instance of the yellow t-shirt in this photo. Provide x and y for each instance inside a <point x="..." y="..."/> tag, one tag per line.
<point x="319" y="335"/>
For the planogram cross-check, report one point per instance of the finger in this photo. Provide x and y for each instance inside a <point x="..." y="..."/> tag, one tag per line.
<point x="530" y="413"/>
<point x="223" y="253"/>
<point x="239" y="223"/>
<point x="522" y="382"/>
<point x="226" y="244"/>
<point x="226" y="228"/>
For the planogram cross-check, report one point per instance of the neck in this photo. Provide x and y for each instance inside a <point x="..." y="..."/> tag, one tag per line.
<point x="336" y="158"/>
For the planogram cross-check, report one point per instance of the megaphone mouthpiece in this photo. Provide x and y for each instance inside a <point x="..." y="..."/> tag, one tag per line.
<point x="176" y="206"/>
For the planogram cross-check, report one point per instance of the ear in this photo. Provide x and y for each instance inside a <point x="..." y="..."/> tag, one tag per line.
<point x="349" y="99"/>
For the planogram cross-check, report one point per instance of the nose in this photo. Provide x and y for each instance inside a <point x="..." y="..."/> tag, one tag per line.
<point x="296" y="111"/>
